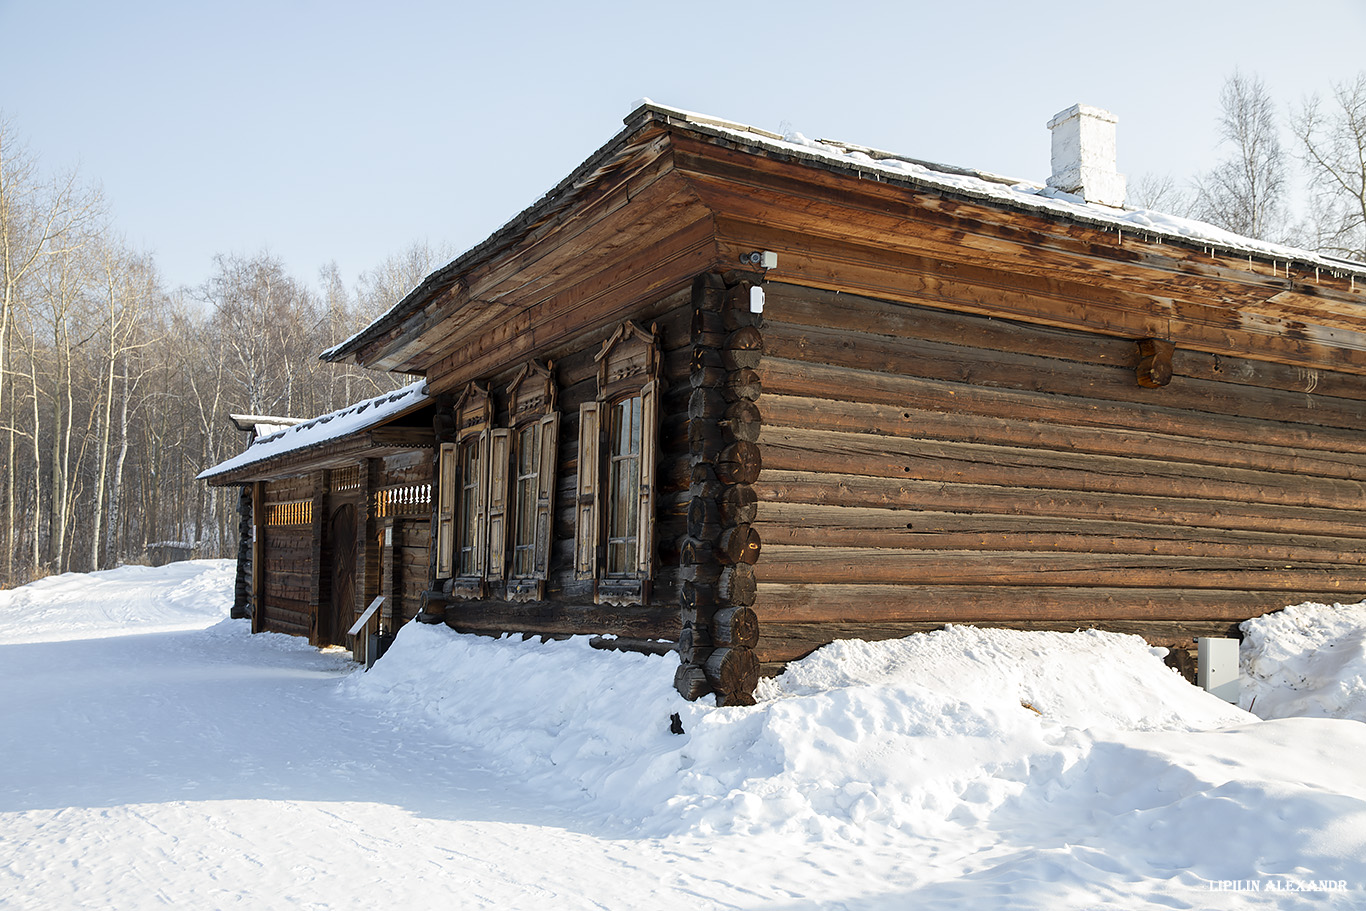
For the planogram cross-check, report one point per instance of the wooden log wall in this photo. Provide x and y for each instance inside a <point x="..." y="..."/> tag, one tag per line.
<point x="287" y="578"/>
<point x="716" y="587"/>
<point x="568" y="608"/>
<point x="923" y="467"/>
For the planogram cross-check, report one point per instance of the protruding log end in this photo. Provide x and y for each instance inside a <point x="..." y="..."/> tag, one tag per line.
<point x="733" y="672"/>
<point x="1154" y="362"/>
<point x="691" y="682"/>
<point x="735" y="626"/>
<point x="740" y="544"/>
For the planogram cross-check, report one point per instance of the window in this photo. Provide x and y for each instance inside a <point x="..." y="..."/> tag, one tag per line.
<point x="623" y="486"/>
<point x="471" y="500"/>
<point x="462" y="496"/>
<point x="527" y="466"/>
<point x="615" y="533"/>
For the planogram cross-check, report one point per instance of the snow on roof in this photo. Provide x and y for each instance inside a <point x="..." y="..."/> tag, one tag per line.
<point x="966" y="182"/>
<point x="996" y="188"/>
<point x="263" y="424"/>
<point x="327" y="427"/>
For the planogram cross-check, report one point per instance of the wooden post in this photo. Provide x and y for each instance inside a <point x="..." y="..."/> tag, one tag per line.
<point x="319" y="587"/>
<point x="258" y="556"/>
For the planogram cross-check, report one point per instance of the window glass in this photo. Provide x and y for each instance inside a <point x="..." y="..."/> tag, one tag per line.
<point x="623" y="485"/>
<point x="469" y="507"/>
<point x="524" y="503"/>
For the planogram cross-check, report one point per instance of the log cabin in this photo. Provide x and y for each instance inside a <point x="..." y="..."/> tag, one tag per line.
<point x="735" y="395"/>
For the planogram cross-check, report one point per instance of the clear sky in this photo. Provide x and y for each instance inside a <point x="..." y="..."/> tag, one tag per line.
<point x="346" y="131"/>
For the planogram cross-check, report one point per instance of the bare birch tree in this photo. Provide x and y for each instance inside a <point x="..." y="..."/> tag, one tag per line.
<point x="1246" y="192"/>
<point x="1332" y="146"/>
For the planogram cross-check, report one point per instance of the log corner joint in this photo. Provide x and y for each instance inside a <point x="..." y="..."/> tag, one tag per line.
<point x="1154" y="362"/>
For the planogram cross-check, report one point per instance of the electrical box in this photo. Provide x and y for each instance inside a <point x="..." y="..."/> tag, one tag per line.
<point x="1217" y="668"/>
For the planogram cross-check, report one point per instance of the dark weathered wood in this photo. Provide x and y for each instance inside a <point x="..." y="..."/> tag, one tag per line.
<point x="742" y="385"/>
<point x="694" y="596"/>
<point x="735" y="626"/>
<point x="706" y="404"/>
<point x="691" y="682"/>
<point x="738" y="505"/>
<point x="708" y="328"/>
<point x="737" y="585"/>
<point x="743" y="420"/>
<point x="640" y="646"/>
<point x="740" y="544"/>
<point x="732" y="671"/>
<point x="739" y="463"/>
<point x="555" y="619"/>
<point x="744" y="349"/>
<point x="703" y="512"/>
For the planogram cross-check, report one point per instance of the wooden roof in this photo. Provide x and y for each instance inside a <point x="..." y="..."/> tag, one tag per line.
<point x="370" y="428"/>
<point x="675" y="194"/>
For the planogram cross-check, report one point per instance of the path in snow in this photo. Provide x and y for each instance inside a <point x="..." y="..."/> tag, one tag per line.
<point x="215" y="769"/>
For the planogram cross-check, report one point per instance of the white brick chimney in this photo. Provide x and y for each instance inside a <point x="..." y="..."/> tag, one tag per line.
<point x="1084" y="155"/>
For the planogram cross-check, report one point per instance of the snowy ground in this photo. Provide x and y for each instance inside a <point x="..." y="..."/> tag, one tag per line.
<point x="158" y="755"/>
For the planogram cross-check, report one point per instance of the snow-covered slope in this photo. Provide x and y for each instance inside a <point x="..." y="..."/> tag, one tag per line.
<point x="201" y="766"/>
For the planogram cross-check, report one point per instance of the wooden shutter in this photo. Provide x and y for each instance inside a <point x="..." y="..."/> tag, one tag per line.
<point x="586" y="532"/>
<point x="499" y="464"/>
<point x="545" y="494"/>
<point x="649" y="433"/>
<point x="445" y="512"/>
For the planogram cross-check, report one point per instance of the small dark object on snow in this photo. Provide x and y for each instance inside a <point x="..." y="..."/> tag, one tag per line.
<point x="675" y="723"/>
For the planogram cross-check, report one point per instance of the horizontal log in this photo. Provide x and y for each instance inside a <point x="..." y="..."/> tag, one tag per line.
<point x="852" y="490"/>
<point x="1079" y="407"/>
<point x="1004" y="466"/>
<point x="980" y="604"/>
<point x="902" y="421"/>
<point x="543" y="618"/>
<point x="842" y="526"/>
<point x="639" y="646"/>
<point x="811" y="307"/>
<point x="788" y="563"/>
<point x="936" y="360"/>
<point x="784" y="642"/>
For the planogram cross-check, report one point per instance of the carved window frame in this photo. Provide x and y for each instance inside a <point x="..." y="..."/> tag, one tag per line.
<point x="524" y="526"/>
<point x="628" y="369"/>
<point x="463" y="496"/>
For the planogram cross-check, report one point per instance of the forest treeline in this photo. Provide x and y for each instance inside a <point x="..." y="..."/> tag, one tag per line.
<point x="115" y="390"/>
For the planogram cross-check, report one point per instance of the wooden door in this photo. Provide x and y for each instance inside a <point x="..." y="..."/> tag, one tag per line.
<point x="343" y="603"/>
